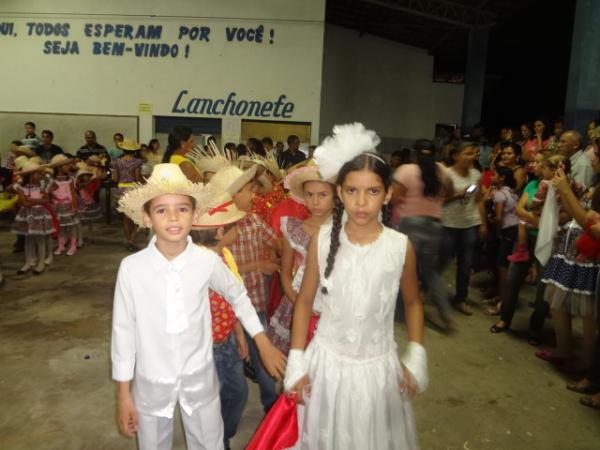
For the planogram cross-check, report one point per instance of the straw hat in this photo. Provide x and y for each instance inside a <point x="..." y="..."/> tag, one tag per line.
<point x="36" y="159"/>
<point x="93" y="161"/>
<point x="295" y="180"/>
<point x="165" y="179"/>
<point x="30" y="167"/>
<point x="211" y="160"/>
<point x="23" y="150"/>
<point x="270" y="163"/>
<point x="82" y="169"/>
<point x="59" y="160"/>
<point x="129" y="145"/>
<point x="221" y="211"/>
<point x="232" y="179"/>
<point x="20" y="161"/>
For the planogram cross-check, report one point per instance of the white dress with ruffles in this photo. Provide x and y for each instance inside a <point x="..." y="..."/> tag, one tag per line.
<point x="355" y="400"/>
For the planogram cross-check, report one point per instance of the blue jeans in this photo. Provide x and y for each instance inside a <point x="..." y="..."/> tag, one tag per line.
<point x="268" y="392"/>
<point x="426" y="235"/>
<point x="460" y="242"/>
<point x="234" y="390"/>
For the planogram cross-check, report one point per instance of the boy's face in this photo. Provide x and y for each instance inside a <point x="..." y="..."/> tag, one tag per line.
<point x="243" y="199"/>
<point x="29" y="129"/>
<point x="171" y="217"/>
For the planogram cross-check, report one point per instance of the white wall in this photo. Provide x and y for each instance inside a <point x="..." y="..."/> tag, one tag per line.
<point x="85" y="83"/>
<point x="386" y="85"/>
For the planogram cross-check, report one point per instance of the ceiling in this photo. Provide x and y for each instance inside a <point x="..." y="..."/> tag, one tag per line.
<point x="439" y="26"/>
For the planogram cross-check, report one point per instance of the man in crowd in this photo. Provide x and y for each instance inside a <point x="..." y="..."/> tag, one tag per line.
<point x="47" y="150"/>
<point x="91" y="147"/>
<point x="292" y="155"/>
<point x="569" y="145"/>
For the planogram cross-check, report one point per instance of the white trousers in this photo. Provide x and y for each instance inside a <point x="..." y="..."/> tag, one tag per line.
<point x="203" y="429"/>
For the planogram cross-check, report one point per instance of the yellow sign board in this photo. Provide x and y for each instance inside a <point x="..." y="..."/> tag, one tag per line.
<point x="145" y="108"/>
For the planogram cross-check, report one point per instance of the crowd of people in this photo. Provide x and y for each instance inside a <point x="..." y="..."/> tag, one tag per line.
<point x="305" y="259"/>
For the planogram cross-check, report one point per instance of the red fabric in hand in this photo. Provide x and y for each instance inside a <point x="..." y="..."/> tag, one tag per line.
<point x="279" y="428"/>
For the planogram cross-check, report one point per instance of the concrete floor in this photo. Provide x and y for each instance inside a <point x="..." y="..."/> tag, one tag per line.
<point x="486" y="392"/>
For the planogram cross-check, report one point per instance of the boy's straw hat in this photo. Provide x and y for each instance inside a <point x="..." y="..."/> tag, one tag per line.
<point x="59" y="160"/>
<point x="232" y="179"/>
<point x="211" y="160"/>
<point x="20" y="161"/>
<point x="83" y="170"/>
<point x="30" y="167"/>
<point x="23" y="150"/>
<point x="165" y="179"/>
<point x="93" y="161"/>
<point x="221" y="211"/>
<point x="129" y="145"/>
<point x="296" y="179"/>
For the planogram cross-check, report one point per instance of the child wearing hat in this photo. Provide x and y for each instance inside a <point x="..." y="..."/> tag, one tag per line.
<point x="33" y="220"/>
<point x="216" y="230"/>
<point x="250" y="250"/>
<point x="126" y="173"/>
<point x="64" y="201"/>
<point x="161" y="338"/>
<point x="87" y="184"/>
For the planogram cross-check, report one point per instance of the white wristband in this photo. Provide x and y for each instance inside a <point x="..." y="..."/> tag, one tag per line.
<point x="295" y="369"/>
<point x="415" y="360"/>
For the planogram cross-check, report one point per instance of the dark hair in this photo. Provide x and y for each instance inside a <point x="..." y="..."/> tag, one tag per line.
<point x="547" y="133"/>
<point x="17" y="142"/>
<point x="516" y="148"/>
<point x="205" y="236"/>
<point x="291" y="138"/>
<point x="425" y="159"/>
<point x="365" y="161"/>
<point x="176" y="137"/>
<point x="508" y="175"/>
<point x="267" y="141"/>
<point x="149" y="202"/>
<point x="49" y="133"/>
<point x="31" y="124"/>
<point x="119" y="135"/>
<point x="152" y="143"/>
<point x="241" y="150"/>
<point x="258" y="147"/>
<point x="230" y="146"/>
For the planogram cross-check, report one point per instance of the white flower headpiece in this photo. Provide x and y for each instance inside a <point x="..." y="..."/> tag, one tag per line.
<point x="348" y="141"/>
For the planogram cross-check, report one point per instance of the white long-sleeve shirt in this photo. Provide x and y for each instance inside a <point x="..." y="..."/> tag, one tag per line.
<point x="162" y="326"/>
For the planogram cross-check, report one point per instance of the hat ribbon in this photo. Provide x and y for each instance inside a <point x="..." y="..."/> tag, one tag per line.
<point x="222" y="208"/>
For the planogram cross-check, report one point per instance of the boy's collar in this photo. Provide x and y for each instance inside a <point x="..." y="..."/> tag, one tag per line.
<point x="159" y="262"/>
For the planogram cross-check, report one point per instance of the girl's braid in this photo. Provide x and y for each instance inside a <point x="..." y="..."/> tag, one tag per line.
<point x="334" y="245"/>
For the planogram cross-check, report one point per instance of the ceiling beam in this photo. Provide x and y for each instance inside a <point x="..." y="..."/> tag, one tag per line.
<point x="441" y="11"/>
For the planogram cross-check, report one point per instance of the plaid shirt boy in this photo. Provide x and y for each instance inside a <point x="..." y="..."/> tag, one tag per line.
<point x="254" y="238"/>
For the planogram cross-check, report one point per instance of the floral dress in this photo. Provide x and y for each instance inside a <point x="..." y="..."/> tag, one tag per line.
<point x="570" y="279"/>
<point x="126" y="169"/>
<point x="281" y="321"/>
<point x="33" y="220"/>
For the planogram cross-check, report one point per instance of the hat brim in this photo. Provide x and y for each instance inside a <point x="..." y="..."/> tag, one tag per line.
<point x="19" y="151"/>
<point x="219" y="220"/>
<point x="133" y="201"/>
<point x="237" y="185"/>
<point x="27" y="172"/>
<point x="60" y="163"/>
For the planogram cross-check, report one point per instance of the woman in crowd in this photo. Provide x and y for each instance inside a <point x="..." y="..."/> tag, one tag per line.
<point x="511" y="159"/>
<point x="181" y="142"/>
<point x="153" y="156"/>
<point x="419" y="192"/>
<point x="463" y="218"/>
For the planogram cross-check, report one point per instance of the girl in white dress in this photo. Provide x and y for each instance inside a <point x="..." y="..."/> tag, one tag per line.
<point x="354" y="387"/>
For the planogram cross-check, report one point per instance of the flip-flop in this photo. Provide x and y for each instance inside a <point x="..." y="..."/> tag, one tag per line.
<point x="495" y="329"/>
<point x="463" y="308"/>
<point x="551" y="358"/>
<point x="591" y="388"/>
<point x="587" y="400"/>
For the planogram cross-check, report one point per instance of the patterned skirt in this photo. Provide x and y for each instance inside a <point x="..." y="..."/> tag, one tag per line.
<point x="280" y="325"/>
<point x="66" y="216"/>
<point x="91" y="213"/>
<point x="33" y="220"/>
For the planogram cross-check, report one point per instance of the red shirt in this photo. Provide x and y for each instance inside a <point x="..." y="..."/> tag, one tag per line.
<point x="263" y="205"/>
<point x="223" y="317"/>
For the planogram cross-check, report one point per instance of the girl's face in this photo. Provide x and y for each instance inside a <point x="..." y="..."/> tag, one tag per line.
<point x="64" y="169"/>
<point x="539" y="127"/>
<point x="590" y="129"/>
<point x="538" y="165"/>
<point x="318" y="196"/>
<point x="363" y="195"/>
<point x="243" y="199"/>
<point x="36" y="177"/>
<point x="525" y="132"/>
<point x="509" y="158"/>
<point x="465" y="157"/>
<point x="496" y="178"/>
<point x="506" y="134"/>
<point x="189" y="144"/>
<point x="547" y="172"/>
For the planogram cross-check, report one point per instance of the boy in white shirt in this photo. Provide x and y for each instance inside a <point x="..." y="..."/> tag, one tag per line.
<point x="162" y="336"/>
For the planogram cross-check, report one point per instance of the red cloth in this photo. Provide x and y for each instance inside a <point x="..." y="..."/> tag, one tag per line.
<point x="587" y="245"/>
<point x="312" y="327"/>
<point x="223" y="317"/>
<point x="288" y="207"/>
<point x="264" y="205"/>
<point x="279" y="428"/>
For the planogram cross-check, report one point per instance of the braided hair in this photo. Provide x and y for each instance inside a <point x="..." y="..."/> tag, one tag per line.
<point x="365" y="161"/>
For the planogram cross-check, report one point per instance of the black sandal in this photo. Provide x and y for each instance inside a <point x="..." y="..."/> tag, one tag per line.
<point x="495" y="329"/>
